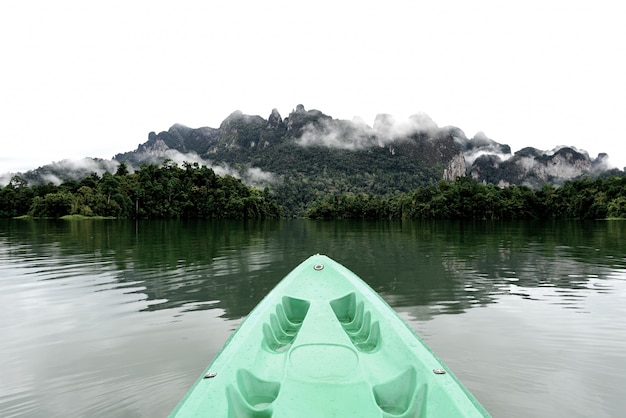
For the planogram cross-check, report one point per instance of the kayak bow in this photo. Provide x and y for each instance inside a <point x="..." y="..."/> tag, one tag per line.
<point x="322" y="343"/>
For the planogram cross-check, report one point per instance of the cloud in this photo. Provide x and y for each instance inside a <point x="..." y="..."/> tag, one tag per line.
<point x="356" y="134"/>
<point x="89" y="165"/>
<point x="256" y="177"/>
<point x="389" y="129"/>
<point x="51" y="178"/>
<point x="59" y="171"/>
<point x="180" y="158"/>
<point x="603" y="163"/>
<point x="472" y="155"/>
<point x="252" y="176"/>
<point x="5" y="178"/>
<point x="339" y="134"/>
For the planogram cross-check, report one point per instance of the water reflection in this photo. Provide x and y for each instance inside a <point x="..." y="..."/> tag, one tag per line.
<point x="450" y="267"/>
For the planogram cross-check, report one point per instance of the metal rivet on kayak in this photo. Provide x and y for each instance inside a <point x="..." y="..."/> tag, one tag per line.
<point x="210" y="375"/>
<point x="318" y="267"/>
<point x="439" y="371"/>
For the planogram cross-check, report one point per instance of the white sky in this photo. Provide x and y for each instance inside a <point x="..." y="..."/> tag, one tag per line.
<point x="91" y="79"/>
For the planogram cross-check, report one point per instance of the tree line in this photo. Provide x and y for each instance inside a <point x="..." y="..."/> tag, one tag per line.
<point x="466" y="198"/>
<point x="153" y="192"/>
<point x="196" y="192"/>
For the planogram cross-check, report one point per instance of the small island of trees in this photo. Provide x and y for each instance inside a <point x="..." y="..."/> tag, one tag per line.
<point x="153" y="192"/>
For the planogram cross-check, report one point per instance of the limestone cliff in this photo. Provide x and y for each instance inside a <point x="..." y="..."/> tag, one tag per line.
<point x="533" y="167"/>
<point x="456" y="168"/>
<point x="418" y="139"/>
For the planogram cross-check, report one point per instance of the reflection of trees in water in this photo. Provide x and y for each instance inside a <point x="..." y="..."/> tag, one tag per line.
<point x="198" y="262"/>
<point x="172" y="264"/>
<point x="447" y="266"/>
<point x="477" y="262"/>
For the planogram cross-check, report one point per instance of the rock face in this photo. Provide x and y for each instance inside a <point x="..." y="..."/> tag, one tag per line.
<point x="178" y="137"/>
<point x="533" y="167"/>
<point x="563" y="160"/>
<point x="241" y="131"/>
<point x="456" y="168"/>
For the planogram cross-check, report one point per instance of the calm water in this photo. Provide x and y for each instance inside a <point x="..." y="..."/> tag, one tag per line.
<point x="113" y="318"/>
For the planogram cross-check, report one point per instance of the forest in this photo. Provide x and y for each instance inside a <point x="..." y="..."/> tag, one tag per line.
<point x="585" y="198"/>
<point x="153" y="192"/>
<point x="169" y="191"/>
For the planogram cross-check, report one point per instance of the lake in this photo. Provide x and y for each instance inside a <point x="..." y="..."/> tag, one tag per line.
<point x="119" y="318"/>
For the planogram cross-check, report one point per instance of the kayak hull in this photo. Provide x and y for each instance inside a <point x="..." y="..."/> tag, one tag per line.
<point x="322" y="343"/>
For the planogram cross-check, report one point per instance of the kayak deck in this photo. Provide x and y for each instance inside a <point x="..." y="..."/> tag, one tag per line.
<point x="322" y="343"/>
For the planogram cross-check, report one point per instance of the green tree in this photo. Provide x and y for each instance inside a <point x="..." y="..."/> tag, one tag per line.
<point x="616" y="208"/>
<point x="53" y="205"/>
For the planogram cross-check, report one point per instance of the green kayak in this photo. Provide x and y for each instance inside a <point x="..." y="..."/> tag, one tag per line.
<point x="322" y="343"/>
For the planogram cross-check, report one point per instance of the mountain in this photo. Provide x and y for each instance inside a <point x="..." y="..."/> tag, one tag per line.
<point x="308" y="155"/>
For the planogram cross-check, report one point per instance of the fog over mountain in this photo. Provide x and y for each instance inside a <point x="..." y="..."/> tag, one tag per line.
<point x="267" y="152"/>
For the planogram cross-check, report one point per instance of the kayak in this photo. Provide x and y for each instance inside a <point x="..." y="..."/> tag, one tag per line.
<point x="323" y="343"/>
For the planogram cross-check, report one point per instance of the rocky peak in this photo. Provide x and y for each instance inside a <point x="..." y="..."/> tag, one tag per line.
<point x="529" y="152"/>
<point x="300" y="118"/>
<point x="483" y="142"/>
<point x="571" y="155"/>
<point x="240" y="130"/>
<point x="274" y="121"/>
<point x="232" y="118"/>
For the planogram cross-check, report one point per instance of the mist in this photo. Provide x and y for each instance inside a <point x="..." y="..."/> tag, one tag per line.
<point x="472" y="155"/>
<point x="252" y="176"/>
<point x="357" y="135"/>
<point x="59" y="171"/>
<point x="68" y="169"/>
